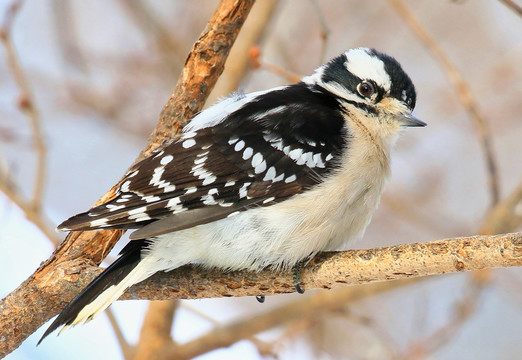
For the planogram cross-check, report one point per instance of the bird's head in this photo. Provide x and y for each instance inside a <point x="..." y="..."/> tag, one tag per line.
<point x="372" y="87"/>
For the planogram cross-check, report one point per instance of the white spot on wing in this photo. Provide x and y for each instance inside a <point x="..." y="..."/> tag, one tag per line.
<point x="201" y="160"/>
<point x="138" y="210"/>
<point x="257" y="159"/>
<point x="125" y="186"/>
<point x="188" y="143"/>
<point x="268" y="200"/>
<point x="156" y="177"/>
<point x="139" y="217"/>
<point x="189" y="135"/>
<point x="208" y="200"/>
<point x="247" y="153"/>
<point x="295" y="154"/>
<point x="159" y="154"/>
<point x="260" y="168"/>
<point x="191" y="190"/>
<point x="270" y="174"/>
<point x="329" y="157"/>
<point x="233" y="214"/>
<point x="318" y="161"/>
<point x="279" y="178"/>
<point x="310" y="160"/>
<point x="230" y="183"/>
<point x="290" y="179"/>
<point x="112" y="207"/>
<point x="209" y="179"/>
<point x="239" y="146"/>
<point x="99" y="222"/>
<point x="243" y="190"/>
<point x="232" y="141"/>
<point x="166" y="160"/>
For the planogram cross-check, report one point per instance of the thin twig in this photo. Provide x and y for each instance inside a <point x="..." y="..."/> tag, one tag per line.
<point x="167" y="44"/>
<point x="463" y="310"/>
<point x="37" y="218"/>
<point x="255" y="55"/>
<point x="67" y="36"/>
<point x="155" y="332"/>
<point x="325" y="31"/>
<point x="513" y="6"/>
<point x="26" y="103"/>
<point x="126" y="348"/>
<point x="318" y="303"/>
<point x="463" y="90"/>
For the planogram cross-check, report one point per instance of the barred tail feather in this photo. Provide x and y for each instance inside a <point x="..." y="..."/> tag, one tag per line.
<point x="126" y="271"/>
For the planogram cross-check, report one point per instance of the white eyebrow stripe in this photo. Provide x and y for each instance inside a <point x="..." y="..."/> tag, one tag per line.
<point x="366" y="66"/>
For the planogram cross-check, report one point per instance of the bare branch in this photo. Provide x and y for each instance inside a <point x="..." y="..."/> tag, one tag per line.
<point x="126" y="349"/>
<point x="45" y="292"/>
<point x="320" y="302"/>
<point x="464" y="308"/>
<point x="155" y="332"/>
<point x="325" y="30"/>
<point x="256" y="62"/>
<point x="463" y="90"/>
<point x="37" y="218"/>
<point x="252" y="34"/>
<point x="506" y="216"/>
<point x="513" y="6"/>
<point x="26" y="104"/>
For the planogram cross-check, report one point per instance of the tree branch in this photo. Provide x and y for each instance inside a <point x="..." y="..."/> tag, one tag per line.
<point x="42" y="295"/>
<point x="327" y="270"/>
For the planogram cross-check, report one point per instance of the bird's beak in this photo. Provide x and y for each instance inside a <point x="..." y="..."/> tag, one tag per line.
<point x="408" y="120"/>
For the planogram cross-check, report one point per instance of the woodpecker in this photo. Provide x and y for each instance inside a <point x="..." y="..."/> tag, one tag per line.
<point x="265" y="179"/>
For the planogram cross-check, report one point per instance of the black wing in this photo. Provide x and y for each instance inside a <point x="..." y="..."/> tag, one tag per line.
<point x="273" y="147"/>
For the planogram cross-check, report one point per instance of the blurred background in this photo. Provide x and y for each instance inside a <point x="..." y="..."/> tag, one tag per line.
<point x="99" y="73"/>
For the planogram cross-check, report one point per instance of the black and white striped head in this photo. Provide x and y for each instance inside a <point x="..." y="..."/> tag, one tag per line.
<point x="369" y="81"/>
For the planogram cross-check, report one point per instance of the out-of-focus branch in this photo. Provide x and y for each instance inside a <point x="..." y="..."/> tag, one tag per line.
<point x="513" y="6"/>
<point x="463" y="309"/>
<point x="126" y="349"/>
<point x="506" y="216"/>
<point x="319" y="303"/>
<point x="325" y="30"/>
<point x="463" y="90"/>
<point x="251" y="34"/>
<point x="155" y="332"/>
<point x="256" y="62"/>
<point x="37" y="218"/>
<point x="166" y="43"/>
<point x="32" y="207"/>
<point x="49" y="289"/>
<point x="67" y="36"/>
<point x="26" y="103"/>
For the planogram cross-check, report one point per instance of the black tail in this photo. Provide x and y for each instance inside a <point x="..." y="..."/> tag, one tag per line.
<point x="116" y="272"/>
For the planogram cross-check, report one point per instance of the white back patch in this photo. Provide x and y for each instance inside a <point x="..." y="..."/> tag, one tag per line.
<point x="218" y="112"/>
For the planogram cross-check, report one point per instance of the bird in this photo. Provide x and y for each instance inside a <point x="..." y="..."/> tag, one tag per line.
<point x="259" y="180"/>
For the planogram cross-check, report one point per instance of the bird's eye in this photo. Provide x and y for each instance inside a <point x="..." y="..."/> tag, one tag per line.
<point x="365" y="89"/>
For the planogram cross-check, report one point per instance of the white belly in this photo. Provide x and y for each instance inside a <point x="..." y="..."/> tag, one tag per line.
<point x="331" y="214"/>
